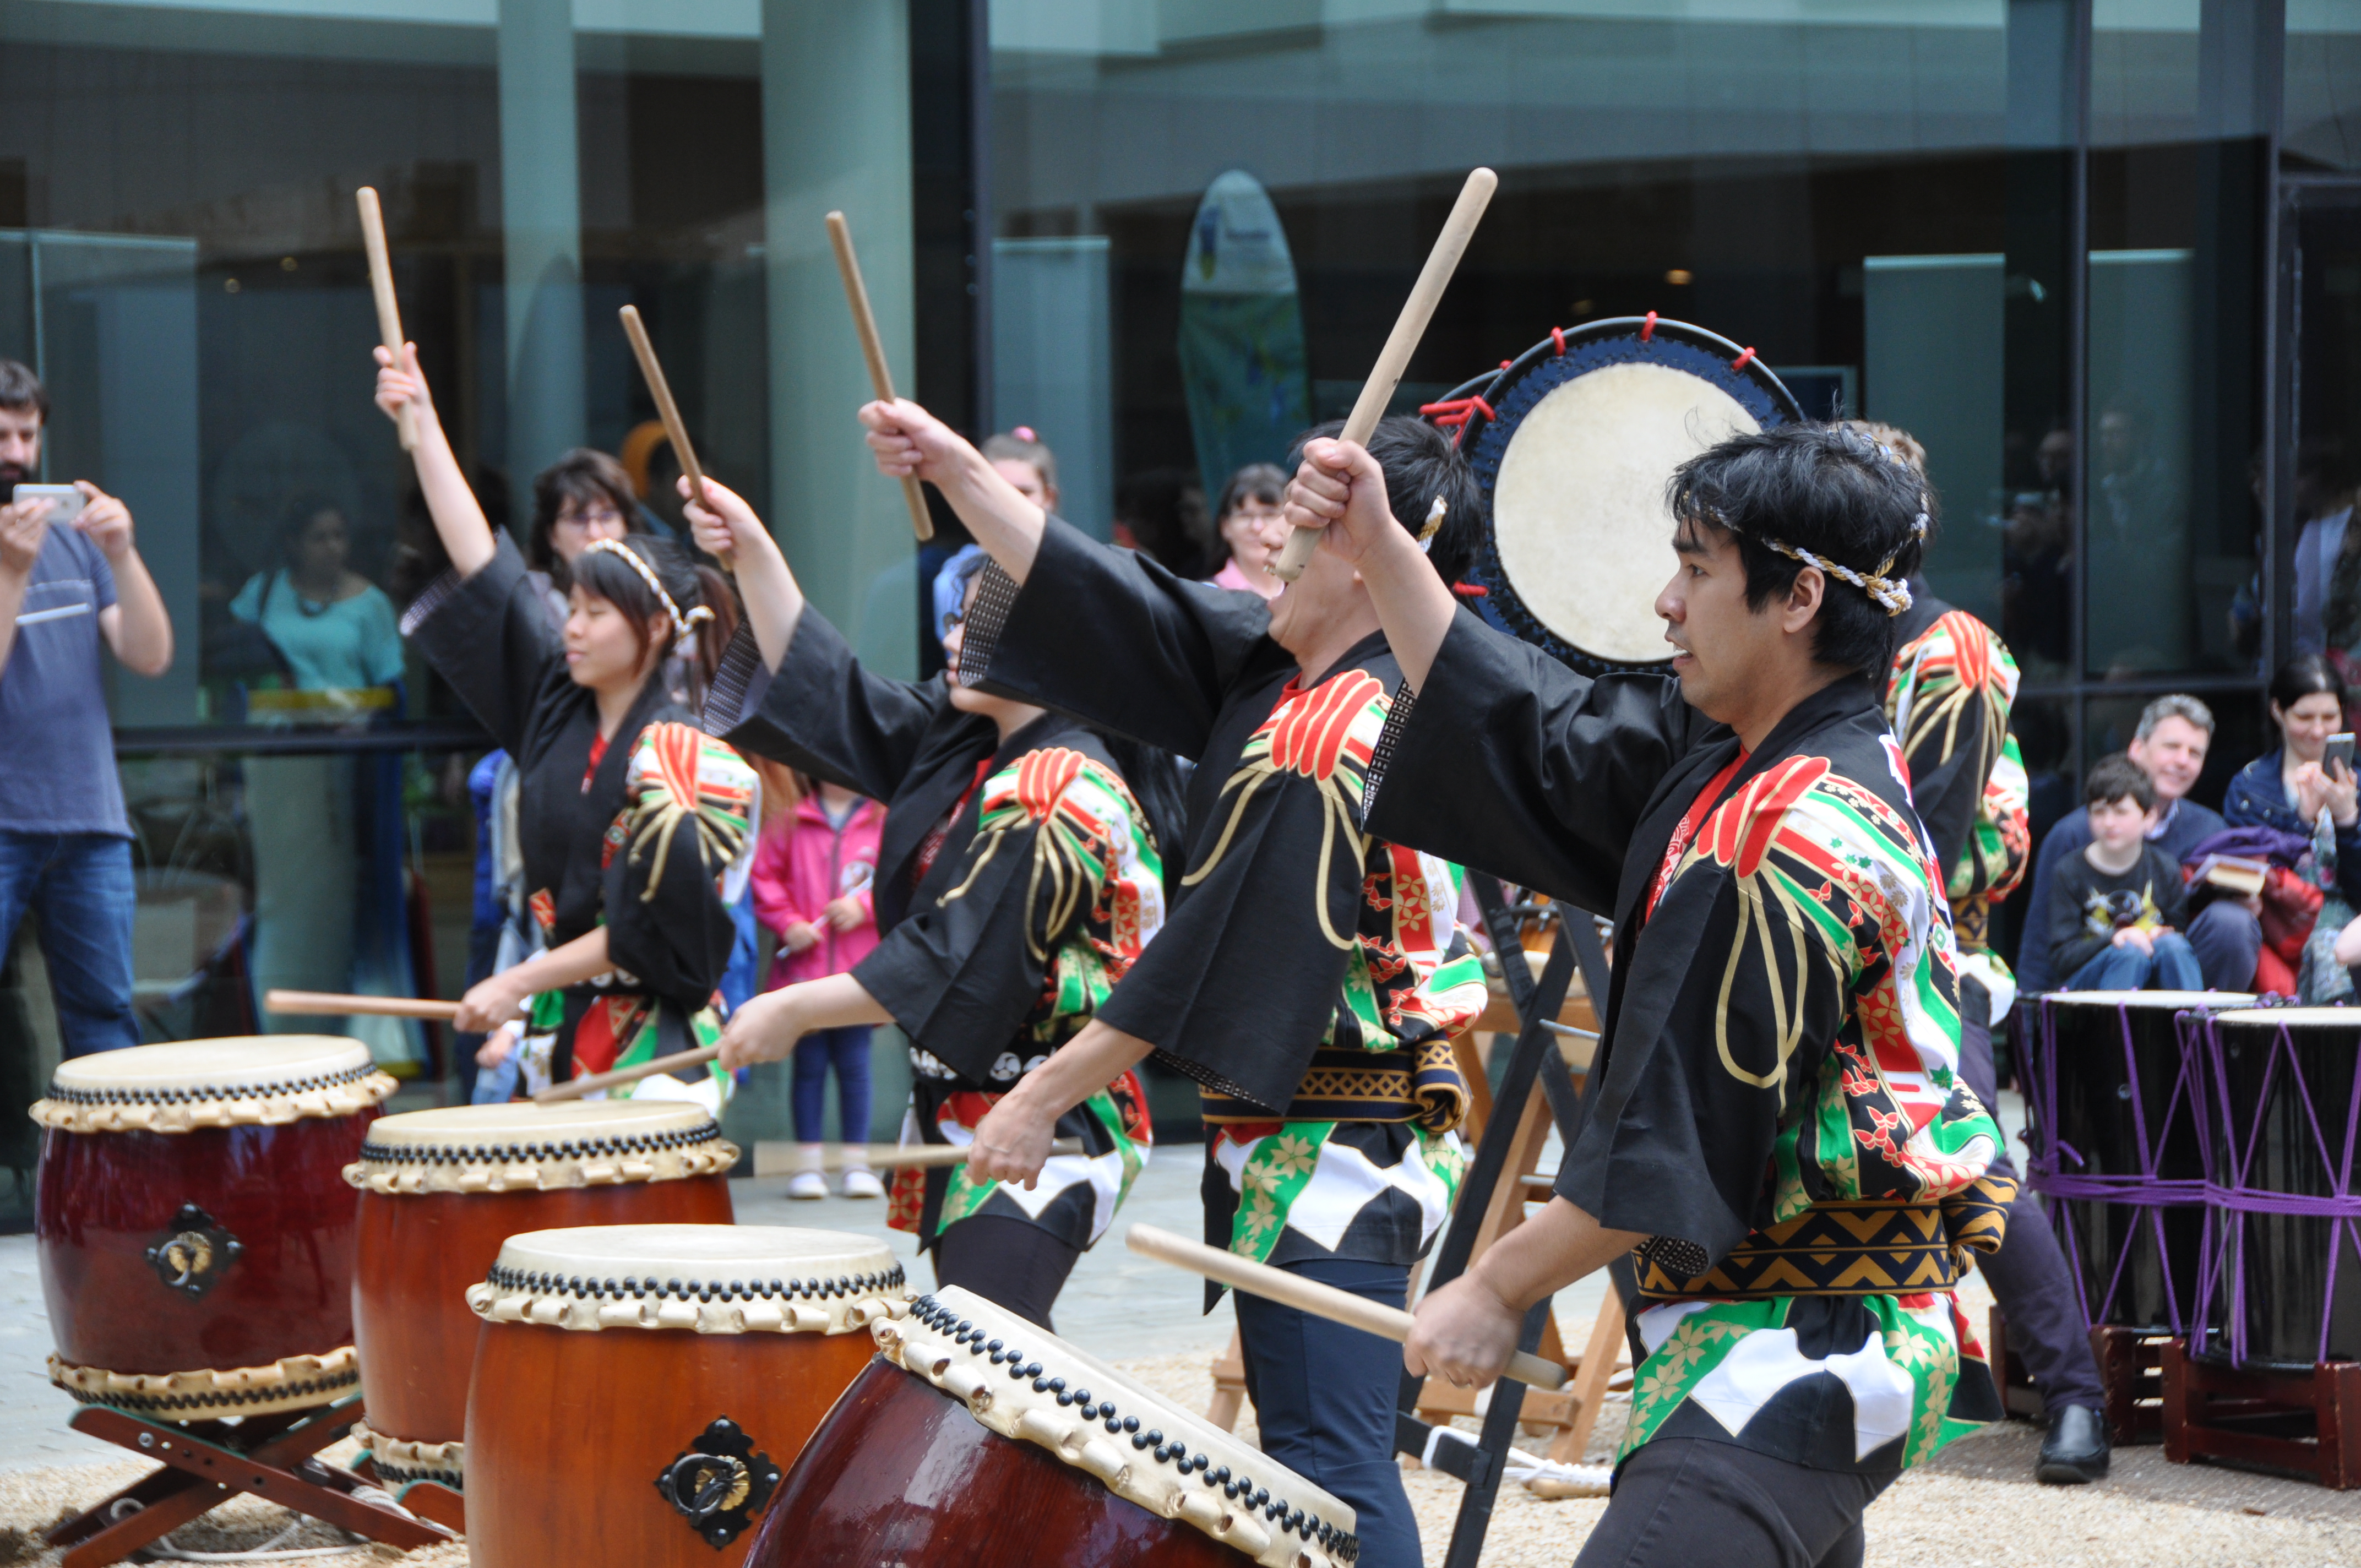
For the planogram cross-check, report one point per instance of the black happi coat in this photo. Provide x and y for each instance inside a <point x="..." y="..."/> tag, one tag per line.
<point x="1240" y="988"/>
<point x="961" y="979"/>
<point x="489" y="636"/>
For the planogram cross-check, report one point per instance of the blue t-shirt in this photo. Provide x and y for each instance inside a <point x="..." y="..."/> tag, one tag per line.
<point x="56" y="761"/>
<point x="341" y="645"/>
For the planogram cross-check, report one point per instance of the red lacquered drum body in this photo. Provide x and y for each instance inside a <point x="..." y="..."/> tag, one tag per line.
<point x="441" y="1190"/>
<point x="193" y="1219"/>
<point x="950" y="1452"/>
<point x="649" y="1420"/>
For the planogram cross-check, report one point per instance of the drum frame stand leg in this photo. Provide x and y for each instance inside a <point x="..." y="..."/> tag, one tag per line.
<point x="1534" y="1059"/>
<point x="207" y="1462"/>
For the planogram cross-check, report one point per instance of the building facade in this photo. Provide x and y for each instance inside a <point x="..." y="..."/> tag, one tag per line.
<point x="2103" y="257"/>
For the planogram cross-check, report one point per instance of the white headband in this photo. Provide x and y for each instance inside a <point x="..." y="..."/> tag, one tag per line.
<point x="683" y="626"/>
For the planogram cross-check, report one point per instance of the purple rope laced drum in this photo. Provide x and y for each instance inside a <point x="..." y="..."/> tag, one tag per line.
<point x="2283" y="1244"/>
<point x="2115" y="1138"/>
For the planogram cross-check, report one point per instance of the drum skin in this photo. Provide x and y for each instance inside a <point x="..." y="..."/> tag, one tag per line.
<point x="2283" y="1261"/>
<point x="2095" y="1120"/>
<point x="901" y="1472"/>
<point x="568" y="1432"/>
<point x="106" y="1198"/>
<point x="419" y="1253"/>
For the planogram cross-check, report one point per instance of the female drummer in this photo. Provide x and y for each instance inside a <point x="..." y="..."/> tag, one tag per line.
<point x="630" y="819"/>
<point x="1018" y="877"/>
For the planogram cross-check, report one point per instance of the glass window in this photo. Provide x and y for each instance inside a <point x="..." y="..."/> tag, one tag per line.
<point x="1828" y="183"/>
<point x="2320" y="111"/>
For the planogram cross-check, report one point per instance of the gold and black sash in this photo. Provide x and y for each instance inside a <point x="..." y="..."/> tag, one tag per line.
<point x="1416" y="1083"/>
<point x="1844" y="1249"/>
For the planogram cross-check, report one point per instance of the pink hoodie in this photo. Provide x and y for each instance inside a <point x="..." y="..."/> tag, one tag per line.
<point x="800" y="864"/>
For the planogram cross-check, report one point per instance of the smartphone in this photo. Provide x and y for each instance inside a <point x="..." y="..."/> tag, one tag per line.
<point x="66" y="503"/>
<point x="2340" y="749"/>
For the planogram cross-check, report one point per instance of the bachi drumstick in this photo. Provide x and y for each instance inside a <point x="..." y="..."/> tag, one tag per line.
<point x="1394" y="358"/>
<point x="389" y="313"/>
<point x="576" y="1088"/>
<point x="667" y="411"/>
<point x="328" y="1004"/>
<point x="873" y="349"/>
<point x="1310" y="1296"/>
<point x="780" y="1159"/>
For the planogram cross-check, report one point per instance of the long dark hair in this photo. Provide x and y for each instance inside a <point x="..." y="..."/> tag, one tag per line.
<point x="688" y="584"/>
<point x="2302" y="675"/>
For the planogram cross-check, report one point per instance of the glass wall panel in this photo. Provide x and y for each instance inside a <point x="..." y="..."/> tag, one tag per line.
<point x="2321" y="113"/>
<point x="1830" y="183"/>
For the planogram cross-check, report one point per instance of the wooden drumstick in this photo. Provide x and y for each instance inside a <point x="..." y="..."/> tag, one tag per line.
<point x="873" y="348"/>
<point x="576" y="1088"/>
<point x="781" y="1159"/>
<point x="389" y="313"/>
<point x="666" y="409"/>
<point x="328" y="1004"/>
<point x="1308" y="1296"/>
<point x="1394" y="359"/>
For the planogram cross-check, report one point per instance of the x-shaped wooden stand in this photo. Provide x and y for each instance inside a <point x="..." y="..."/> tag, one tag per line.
<point x="208" y="1462"/>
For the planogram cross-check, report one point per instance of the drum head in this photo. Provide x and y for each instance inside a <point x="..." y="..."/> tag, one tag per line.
<point x="2172" y="999"/>
<point x="699" y="1252"/>
<point x="713" y="1280"/>
<point x="1583" y="435"/>
<point x="566" y="1121"/>
<point x="2293" y="1017"/>
<point x="222" y="1068"/>
<point x="950" y="1338"/>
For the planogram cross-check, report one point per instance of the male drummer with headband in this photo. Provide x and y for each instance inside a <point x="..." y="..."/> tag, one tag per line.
<point x="1307" y="977"/>
<point x="1948" y="701"/>
<point x="1776" y="1141"/>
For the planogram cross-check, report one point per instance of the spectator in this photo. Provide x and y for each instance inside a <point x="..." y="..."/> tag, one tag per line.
<point x="2170" y="745"/>
<point x="2114" y="908"/>
<point x="65" y="838"/>
<point x="1253" y="528"/>
<point x="1023" y="459"/>
<point x="583" y="496"/>
<point x="811" y="883"/>
<point x="336" y="629"/>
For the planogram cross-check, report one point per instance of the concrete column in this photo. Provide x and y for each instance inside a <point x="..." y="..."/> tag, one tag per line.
<point x="540" y="217"/>
<point x="836" y="134"/>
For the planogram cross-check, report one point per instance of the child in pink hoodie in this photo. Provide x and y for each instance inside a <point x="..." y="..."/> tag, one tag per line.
<point x="811" y="878"/>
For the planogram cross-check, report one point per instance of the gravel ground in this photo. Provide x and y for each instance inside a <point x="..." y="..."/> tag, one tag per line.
<point x="1976" y="1504"/>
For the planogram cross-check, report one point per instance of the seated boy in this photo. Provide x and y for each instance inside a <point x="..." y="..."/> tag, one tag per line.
<point x="2113" y="908"/>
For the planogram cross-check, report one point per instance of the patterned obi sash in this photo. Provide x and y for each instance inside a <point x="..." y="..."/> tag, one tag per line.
<point x="1416" y="1083"/>
<point x="1838" y="1248"/>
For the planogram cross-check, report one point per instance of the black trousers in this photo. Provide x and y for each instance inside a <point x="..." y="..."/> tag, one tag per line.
<point x="1324" y="1397"/>
<point x="1685" y="1502"/>
<point x="1006" y="1262"/>
<point x="2029" y="1275"/>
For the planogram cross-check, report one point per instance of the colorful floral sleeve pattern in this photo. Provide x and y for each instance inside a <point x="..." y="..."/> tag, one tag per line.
<point x="1948" y="703"/>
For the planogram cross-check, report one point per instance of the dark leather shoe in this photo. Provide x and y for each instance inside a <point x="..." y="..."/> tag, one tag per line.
<point x="2075" y="1451"/>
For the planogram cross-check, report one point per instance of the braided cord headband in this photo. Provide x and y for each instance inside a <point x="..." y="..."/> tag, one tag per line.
<point x="1891" y="594"/>
<point x="683" y="626"/>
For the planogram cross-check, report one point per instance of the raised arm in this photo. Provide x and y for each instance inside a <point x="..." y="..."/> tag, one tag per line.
<point x="459" y="519"/>
<point x="1340" y="489"/>
<point x="729" y="530"/>
<point x="909" y="440"/>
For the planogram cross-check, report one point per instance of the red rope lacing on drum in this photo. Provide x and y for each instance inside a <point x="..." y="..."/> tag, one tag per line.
<point x="1471" y="590"/>
<point x="1557" y="335"/>
<point x="1648" y="327"/>
<point x="1739" y="363"/>
<point x="1451" y="414"/>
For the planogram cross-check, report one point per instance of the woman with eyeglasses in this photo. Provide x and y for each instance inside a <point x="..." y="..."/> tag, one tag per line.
<point x="1018" y="874"/>
<point x="582" y="497"/>
<point x="1254" y="527"/>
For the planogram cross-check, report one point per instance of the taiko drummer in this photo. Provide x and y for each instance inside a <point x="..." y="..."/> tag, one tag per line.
<point x="1020" y="874"/>
<point x="630" y="818"/>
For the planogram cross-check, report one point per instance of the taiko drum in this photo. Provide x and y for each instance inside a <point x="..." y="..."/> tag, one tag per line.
<point x="196" y="1236"/>
<point x="641" y="1391"/>
<point x="980" y="1440"/>
<point x="441" y="1190"/>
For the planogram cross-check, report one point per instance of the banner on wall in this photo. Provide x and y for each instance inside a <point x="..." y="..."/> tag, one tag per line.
<point x="1242" y="354"/>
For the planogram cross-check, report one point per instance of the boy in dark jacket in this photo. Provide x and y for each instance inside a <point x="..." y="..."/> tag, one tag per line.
<point x="2114" y="908"/>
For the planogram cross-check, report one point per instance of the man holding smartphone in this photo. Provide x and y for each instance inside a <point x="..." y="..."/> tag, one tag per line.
<point x="65" y="842"/>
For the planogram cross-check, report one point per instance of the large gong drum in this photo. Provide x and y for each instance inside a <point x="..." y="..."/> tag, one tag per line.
<point x="981" y="1441"/>
<point x="196" y="1235"/>
<point x="641" y="1389"/>
<point x="441" y="1190"/>
<point x="1572" y="444"/>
